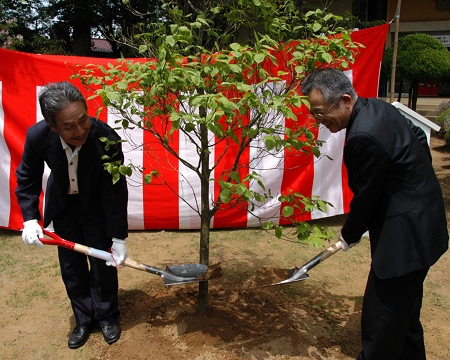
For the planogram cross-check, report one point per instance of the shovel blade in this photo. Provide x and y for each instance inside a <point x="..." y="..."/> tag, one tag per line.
<point x="187" y="270"/>
<point x="177" y="280"/>
<point x="295" y="275"/>
<point x="183" y="274"/>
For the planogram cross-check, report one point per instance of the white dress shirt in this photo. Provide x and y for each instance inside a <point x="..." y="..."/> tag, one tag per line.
<point x="72" y="160"/>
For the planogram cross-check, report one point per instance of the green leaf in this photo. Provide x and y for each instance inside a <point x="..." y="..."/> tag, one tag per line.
<point x="259" y="58"/>
<point x="241" y="189"/>
<point x="270" y="142"/>
<point x="327" y="57"/>
<point x="235" y="46"/>
<point x="125" y="170"/>
<point x="287" y="211"/>
<point x="147" y="179"/>
<point x="225" y="196"/>
<point x="235" y="176"/>
<point x="235" y="68"/>
<point x="113" y="96"/>
<point x="170" y="40"/>
<point x="122" y="85"/>
<point x="315" y="151"/>
<point x="259" y="197"/>
<point x="303" y="228"/>
<point x="278" y="231"/>
<point x="216" y="130"/>
<point x="316" y="27"/>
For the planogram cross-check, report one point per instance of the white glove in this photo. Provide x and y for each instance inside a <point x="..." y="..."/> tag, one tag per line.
<point x="119" y="252"/>
<point x="31" y="233"/>
<point x="345" y="245"/>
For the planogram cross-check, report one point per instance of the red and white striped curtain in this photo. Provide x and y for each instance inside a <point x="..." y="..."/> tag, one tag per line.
<point x="155" y="206"/>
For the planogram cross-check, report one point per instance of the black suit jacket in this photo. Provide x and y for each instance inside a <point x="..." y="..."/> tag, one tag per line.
<point x="397" y="196"/>
<point x="103" y="202"/>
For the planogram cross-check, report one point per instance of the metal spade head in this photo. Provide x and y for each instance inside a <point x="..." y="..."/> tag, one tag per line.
<point x="295" y="275"/>
<point x="183" y="274"/>
<point x="187" y="270"/>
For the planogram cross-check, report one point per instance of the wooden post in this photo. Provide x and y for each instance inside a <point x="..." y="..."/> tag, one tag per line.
<point x="394" y="54"/>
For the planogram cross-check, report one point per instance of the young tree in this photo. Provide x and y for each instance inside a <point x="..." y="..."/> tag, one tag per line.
<point x="226" y="99"/>
<point x="420" y="57"/>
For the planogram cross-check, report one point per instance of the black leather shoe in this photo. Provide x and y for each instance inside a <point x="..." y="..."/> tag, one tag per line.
<point x="79" y="336"/>
<point x="111" y="332"/>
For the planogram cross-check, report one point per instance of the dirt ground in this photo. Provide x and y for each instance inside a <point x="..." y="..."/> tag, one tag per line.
<point x="313" y="319"/>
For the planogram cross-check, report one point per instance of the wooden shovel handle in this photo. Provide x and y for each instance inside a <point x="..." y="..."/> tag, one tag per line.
<point x="331" y="250"/>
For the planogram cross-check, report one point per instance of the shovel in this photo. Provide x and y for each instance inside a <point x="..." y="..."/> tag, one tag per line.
<point x="299" y="274"/>
<point x="173" y="275"/>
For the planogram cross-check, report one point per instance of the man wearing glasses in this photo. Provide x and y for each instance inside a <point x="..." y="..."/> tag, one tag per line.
<point x="397" y="198"/>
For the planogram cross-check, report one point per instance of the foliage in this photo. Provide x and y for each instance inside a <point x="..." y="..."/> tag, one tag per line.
<point x="39" y="35"/>
<point x="59" y="26"/>
<point x="443" y="105"/>
<point x="420" y="57"/>
<point x="443" y="120"/>
<point x="8" y="39"/>
<point x="415" y="54"/>
<point x="234" y="21"/>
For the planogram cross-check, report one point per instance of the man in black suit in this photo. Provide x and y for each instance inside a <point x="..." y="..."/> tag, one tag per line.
<point x="397" y="198"/>
<point x="81" y="201"/>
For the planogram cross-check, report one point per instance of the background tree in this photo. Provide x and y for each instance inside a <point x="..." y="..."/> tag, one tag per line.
<point x="67" y="26"/>
<point x="202" y="84"/>
<point x="420" y="58"/>
<point x="8" y="39"/>
<point x="34" y="25"/>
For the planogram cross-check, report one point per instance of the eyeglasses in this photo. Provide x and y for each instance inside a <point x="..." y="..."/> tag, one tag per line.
<point x="320" y="115"/>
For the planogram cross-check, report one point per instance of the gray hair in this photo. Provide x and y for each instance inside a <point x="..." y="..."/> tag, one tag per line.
<point x="332" y="83"/>
<point x="54" y="97"/>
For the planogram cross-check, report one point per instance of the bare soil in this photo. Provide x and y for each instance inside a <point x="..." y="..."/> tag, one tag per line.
<point x="318" y="318"/>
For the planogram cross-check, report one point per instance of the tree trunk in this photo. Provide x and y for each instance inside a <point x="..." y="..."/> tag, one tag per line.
<point x="400" y="89"/>
<point x="205" y="212"/>
<point x="410" y="91"/>
<point x="415" y="94"/>
<point x="81" y="38"/>
<point x="203" y="287"/>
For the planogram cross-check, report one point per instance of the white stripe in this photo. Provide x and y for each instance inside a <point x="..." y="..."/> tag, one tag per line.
<point x="327" y="182"/>
<point x="189" y="188"/>
<point x="133" y="154"/>
<point x="5" y="168"/>
<point x="270" y="167"/>
<point x="349" y="74"/>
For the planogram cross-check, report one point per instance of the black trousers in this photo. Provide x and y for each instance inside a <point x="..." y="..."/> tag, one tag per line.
<point x="390" y="322"/>
<point x="92" y="286"/>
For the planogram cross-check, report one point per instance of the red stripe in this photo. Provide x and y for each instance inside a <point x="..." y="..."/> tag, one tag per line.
<point x="233" y="214"/>
<point x="367" y="65"/>
<point x="19" y="104"/>
<point x="298" y="168"/>
<point x="161" y="205"/>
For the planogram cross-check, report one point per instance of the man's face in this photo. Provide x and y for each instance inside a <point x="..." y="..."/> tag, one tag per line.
<point x="73" y="124"/>
<point x="334" y="116"/>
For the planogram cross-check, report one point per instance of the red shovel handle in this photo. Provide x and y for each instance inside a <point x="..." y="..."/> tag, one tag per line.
<point x="56" y="240"/>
